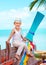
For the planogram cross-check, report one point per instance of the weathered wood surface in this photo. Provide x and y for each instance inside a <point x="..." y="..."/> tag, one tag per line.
<point x="0" y="53"/>
<point x="7" y="57"/>
<point x="33" y="61"/>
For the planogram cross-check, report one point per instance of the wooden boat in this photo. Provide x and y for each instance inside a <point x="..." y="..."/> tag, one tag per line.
<point x="7" y="57"/>
<point x="40" y="55"/>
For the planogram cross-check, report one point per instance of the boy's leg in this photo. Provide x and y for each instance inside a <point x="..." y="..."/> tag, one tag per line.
<point x="20" y="49"/>
<point x="17" y="53"/>
<point x="28" y="52"/>
<point x="21" y="46"/>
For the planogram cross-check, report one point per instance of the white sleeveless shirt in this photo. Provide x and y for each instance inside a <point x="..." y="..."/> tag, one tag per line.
<point x="17" y="36"/>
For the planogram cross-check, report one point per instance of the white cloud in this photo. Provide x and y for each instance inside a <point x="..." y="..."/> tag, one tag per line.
<point x="26" y="25"/>
<point x="7" y="17"/>
<point x="41" y="8"/>
<point x="43" y="23"/>
<point x="13" y="13"/>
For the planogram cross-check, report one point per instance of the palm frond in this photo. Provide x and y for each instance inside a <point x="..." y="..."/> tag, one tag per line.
<point x="45" y="4"/>
<point x="41" y="2"/>
<point x="32" y="4"/>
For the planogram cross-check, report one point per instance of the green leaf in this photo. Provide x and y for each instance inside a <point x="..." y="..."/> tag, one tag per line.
<point x="41" y="2"/>
<point x="32" y="4"/>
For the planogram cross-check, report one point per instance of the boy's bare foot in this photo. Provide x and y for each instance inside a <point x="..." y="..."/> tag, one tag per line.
<point x="30" y="55"/>
<point x="17" y="57"/>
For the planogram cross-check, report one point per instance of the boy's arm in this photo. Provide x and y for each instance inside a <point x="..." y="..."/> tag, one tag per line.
<point x="12" y="33"/>
<point x="24" y="39"/>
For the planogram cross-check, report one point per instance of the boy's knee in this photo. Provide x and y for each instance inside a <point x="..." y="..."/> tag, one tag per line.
<point x="23" y="45"/>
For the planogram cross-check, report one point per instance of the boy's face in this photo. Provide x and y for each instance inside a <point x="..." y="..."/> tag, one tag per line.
<point x="17" y="24"/>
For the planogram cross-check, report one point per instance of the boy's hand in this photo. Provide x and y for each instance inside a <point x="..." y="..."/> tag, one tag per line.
<point x="25" y="39"/>
<point x="7" y="42"/>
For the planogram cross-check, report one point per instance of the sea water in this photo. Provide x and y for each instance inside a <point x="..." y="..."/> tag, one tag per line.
<point x="39" y="38"/>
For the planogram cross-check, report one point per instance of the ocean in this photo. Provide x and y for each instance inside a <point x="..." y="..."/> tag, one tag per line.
<point x="39" y="38"/>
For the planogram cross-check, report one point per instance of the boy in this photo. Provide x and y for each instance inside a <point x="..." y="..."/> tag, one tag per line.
<point x="18" y="40"/>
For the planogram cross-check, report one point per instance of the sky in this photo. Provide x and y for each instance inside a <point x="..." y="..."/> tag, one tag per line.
<point x="12" y="9"/>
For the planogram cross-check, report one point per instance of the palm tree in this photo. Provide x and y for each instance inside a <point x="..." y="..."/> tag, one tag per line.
<point x="40" y="2"/>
